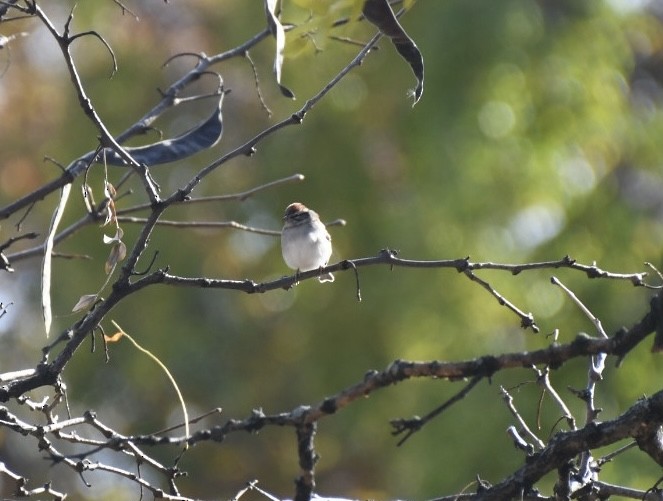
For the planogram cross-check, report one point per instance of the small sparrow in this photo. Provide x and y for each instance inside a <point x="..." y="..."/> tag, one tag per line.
<point x="305" y="242"/>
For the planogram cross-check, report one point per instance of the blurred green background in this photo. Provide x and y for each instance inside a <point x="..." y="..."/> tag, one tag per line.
<point x="538" y="135"/>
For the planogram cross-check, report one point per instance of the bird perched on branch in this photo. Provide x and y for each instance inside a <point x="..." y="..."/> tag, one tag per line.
<point x="305" y="241"/>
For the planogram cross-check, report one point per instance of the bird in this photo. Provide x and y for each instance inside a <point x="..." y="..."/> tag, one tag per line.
<point x="305" y="241"/>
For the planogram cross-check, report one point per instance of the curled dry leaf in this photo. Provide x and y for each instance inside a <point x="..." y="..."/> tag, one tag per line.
<point x="111" y="213"/>
<point x="272" y="9"/>
<point x="88" y="197"/>
<point x="379" y="13"/>
<point x="84" y="302"/>
<point x="117" y="254"/>
<point x="109" y="190"/>
<point x="117" y="238"/>
<point x="114" y="338"/>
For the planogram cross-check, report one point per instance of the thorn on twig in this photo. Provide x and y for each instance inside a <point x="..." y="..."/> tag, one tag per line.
<point x="568" y="260"/>
<point x="411" y="425"/>
<point x="19" y="223"/>
<point x="414" y="424"/>
<point x="69" y="39"/>
<point x="55" y="162"/>
<point x="126" y="10"/>
<point x="581" y="394"/>
<point x="200" y="57"/>
<point x="149" y="266"/>
<point x="354" y="267"/>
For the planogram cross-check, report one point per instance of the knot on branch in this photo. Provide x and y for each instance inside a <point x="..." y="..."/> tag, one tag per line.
<point x="568" y="260"/>
<point x="252" y="287"/>
<point x="387" y="254"/>
<point x="329" y="406"/>
<point x="217" y="434"/>
<point x="463" y="264"/>
<point x="488" y="365"/>
<point x="411" y="425"/>
<point x="182" y="196"/>
<point x="398" y="369"/>
<point x="527" y="321"/>
<point x="256" y="421"/>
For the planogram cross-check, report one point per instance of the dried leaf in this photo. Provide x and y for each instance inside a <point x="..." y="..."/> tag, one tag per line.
<point x="122" y="251"/>
<point x="88" y="197"/>
<point x="84" y="302"/>
<point x="117" y="238"/>
<point x="111" y="213"/>
<point x="48" y="258"/>
<point x="117" y="254"/>
<point x="114" y="338"/>
<point x="379" y="13"/>
<point x="272" y="9"/>
<point x="201" y="137"/>
<point x="109" y="190"/>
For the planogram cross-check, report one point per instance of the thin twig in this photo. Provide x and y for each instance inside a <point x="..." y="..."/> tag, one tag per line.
<point x="583" y="308"/>
<point x="201" y="224"/>
<point x="413" y="425"/>
<point x="521" y="422"/>
<point x="240" y="196"/>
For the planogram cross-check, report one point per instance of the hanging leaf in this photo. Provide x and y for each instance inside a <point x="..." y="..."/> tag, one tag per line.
<point x="88" y="197"/>
<point x="379" y="13"/>
<point x="201" y="137"/>
<point x="272" y="9"/>
<point x="118" y="253"/>
<point x="46" y="268"/>
<point x="84" y="302"/>
<point x="114" y="338"/>
<point x="119" y="233"/>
